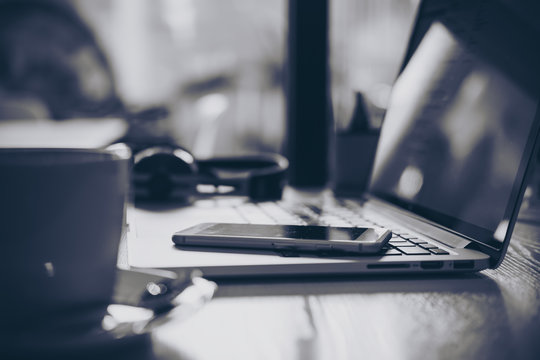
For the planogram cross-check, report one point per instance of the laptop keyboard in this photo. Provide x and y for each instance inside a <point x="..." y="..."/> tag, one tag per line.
<point x="342" y="213"/>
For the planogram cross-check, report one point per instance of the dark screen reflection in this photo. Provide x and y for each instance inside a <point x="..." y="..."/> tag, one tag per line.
<point x="454" y="134"/>
<point x="298" y="232"/>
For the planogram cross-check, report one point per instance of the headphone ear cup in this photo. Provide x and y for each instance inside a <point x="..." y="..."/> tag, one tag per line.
<point x="266" y="187"/>
<point x="163" y="173"/>
<point x="261" y="177"/>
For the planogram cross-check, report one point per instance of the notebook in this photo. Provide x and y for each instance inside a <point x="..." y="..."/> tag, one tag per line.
<point x="456" y="148"/>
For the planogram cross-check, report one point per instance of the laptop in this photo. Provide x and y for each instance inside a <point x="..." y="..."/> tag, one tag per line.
<point x="456" y="148"/>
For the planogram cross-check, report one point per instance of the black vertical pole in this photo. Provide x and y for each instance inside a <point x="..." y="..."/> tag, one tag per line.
<point x="307" y="93"/>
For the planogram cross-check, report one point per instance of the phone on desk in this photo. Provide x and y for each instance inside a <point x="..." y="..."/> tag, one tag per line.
<point x="293" y="238"/>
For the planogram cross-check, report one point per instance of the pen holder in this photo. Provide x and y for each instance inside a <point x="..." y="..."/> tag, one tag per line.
<point x="354" y="156"/>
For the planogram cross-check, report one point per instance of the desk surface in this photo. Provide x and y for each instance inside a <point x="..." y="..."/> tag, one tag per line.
<point x="491" y="315"/>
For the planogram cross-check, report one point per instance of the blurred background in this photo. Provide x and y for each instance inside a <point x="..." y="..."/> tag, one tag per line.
<point x="205" y="74"/>
<point x="216" y="66"/>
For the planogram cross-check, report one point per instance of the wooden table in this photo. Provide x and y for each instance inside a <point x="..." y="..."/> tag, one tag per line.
<point x="491" y="315"/>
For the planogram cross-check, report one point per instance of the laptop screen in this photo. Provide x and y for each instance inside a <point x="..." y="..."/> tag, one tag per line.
<point x="460" y="126"/>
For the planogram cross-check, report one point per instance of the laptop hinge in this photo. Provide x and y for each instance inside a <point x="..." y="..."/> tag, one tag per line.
<point x="417" y="224"/>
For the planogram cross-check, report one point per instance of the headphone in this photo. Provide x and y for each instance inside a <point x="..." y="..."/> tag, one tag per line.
<point x="170" y="173"/>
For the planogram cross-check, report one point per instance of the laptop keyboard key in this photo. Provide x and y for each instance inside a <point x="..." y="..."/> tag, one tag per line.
<point x="413" y="250"/>
<point x="392" y="252"/>
<point x="438" y="251"/>
<point x="401" y="243"/>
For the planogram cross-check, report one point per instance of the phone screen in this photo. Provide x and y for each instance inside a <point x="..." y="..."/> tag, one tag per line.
<point x="297" y="232"/>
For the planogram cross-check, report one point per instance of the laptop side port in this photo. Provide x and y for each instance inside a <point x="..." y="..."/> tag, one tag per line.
<point x="430" y="265"/>
<point x="464" y="264"/>
<point x="388" y="266"/>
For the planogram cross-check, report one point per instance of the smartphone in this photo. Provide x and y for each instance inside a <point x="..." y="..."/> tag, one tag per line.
<point x="300" y="238"/>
